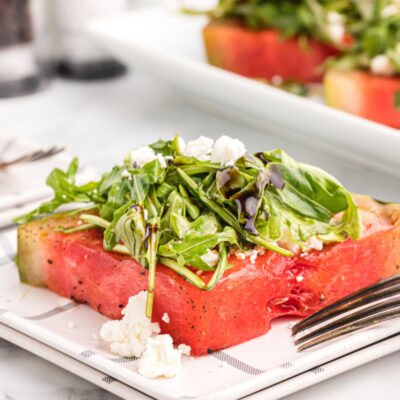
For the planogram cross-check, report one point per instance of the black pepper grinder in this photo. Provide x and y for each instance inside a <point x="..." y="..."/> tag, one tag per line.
<point x="22" y="67"/>
<point x="79" y="56"/>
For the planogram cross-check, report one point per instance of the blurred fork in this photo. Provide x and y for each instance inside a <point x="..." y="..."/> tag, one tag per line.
<point x="33" y="156"/>
<point x="366" y="307"/>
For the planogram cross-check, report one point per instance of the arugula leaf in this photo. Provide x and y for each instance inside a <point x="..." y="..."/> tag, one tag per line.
<point x="65" y="191"/>
<point x="195" y="245"/>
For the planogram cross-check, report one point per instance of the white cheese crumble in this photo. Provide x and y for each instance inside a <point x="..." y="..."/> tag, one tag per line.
<point x="163" y="163"/>
<point x="334" y="18"/>
<point x="299" y="278"/>
<point x="211" y="258"/>
<point x="253" y="256"/>
<point x="240" y="255"/>
<point x="71" y="325"/>
<point x="390" y="10"/>
<point x="200" y="148"/>
<point x="336" y="32"/>
<point x="160" y="359"/>
<point x="125" y="174"/>
<point x="166" y="318"/>
<point x="129" y="335"/>
<point x="184" y="349"/>
<point x="335" y="27"/>
<point x="381" y="65"/>
<point x="145" y="154"/>
<point x="227" y="150"/>
<point x="314" y="243"/>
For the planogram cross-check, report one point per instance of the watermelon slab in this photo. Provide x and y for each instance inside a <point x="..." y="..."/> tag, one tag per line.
<point x="264" y="54"/>
<point x="241" y="305"/>
<point x="363" y="94"/>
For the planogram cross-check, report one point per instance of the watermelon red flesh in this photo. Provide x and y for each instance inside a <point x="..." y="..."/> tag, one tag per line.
<point x="242" y="304"/>
<point x="363" y="94"/>
<point x="264" y="54"/>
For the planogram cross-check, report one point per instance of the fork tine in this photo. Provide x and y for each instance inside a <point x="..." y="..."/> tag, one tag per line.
<point x="389" y="304"/>
<point x="381" y="293"/>
<point x="35" y="156"/>
<point x="40" y="154"/>
<point x="337" y="308"/>
<point x="375" y="319"/>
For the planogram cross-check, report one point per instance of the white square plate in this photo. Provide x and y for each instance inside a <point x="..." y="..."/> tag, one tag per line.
<point x="169" y="45"/>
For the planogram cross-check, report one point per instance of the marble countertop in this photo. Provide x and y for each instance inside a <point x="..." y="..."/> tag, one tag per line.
<point x="99" y="122"/>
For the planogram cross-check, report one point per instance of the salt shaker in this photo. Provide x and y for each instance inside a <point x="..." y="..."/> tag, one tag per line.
<point x="79" y="56"/>
<point x="25" y="65"/>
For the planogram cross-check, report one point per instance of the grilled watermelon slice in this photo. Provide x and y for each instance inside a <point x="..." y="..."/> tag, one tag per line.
<point x="264" y="54"/>
<point x="364" y="94"/>
<point x="241" y="305"/>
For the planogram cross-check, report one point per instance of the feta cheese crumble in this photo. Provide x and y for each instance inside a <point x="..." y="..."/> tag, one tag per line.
<point x="253" y="256"/>
<point x="145" y="154"/>
<point x="71" y="325"/>
<point x="315" y="244"/>
<point x="390" y="10"/>
<point x="381" y="65"/>
<point x="336" y="32"/>
<point x="184" y="349"/>
<point x="125" y="174"/>
<point x="227" y="150"/>
<point x="129" y="335"/>
<point x="166" y="318"/>
<point x="211" y="258"/>
<point x="335" y="27"/>
<point x="240" y="255"/>
<point x="160" y="359"/>
<point x="200" y="148"/>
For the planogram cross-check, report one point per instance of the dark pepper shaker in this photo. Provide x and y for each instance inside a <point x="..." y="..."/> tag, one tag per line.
<point x="22" y="70"/>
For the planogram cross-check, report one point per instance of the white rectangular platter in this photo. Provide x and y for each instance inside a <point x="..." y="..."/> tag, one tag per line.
<point x="248" y="368"/>
<point x="169" y="46"/>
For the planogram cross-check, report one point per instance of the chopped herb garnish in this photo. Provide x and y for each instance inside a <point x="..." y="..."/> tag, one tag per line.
<point x="190" y="215"/>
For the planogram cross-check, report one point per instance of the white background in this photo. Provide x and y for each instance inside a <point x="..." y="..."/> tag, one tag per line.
<point x="99" y="122"/>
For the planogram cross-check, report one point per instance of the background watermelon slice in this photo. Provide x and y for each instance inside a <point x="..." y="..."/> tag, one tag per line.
<point x="241" y="305"/>
<point x="264" y="54"/>
<point x="363" y="94"/>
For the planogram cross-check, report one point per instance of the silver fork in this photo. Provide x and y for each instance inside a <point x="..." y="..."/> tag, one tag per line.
<point x="366" y="307"/>
<point x="33" y="156"/>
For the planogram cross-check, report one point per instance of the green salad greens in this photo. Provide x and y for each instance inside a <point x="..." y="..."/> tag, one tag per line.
<point x="190" y="214"/>
<point x="325" y="20"/>
<point x="377" y="34"/>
